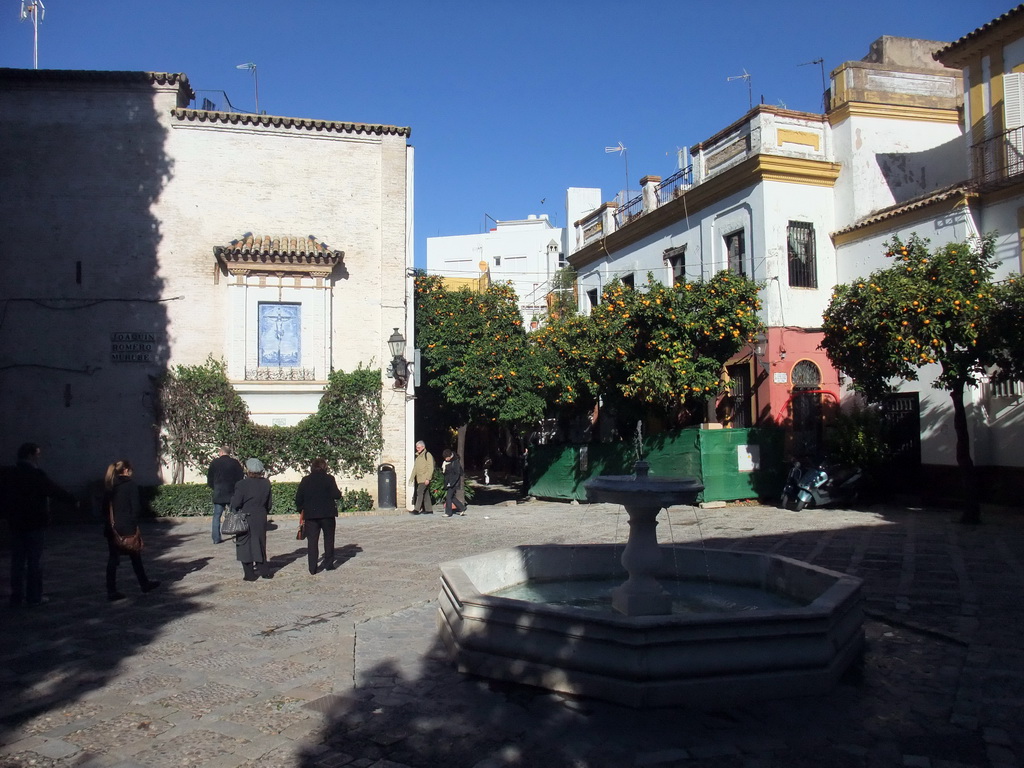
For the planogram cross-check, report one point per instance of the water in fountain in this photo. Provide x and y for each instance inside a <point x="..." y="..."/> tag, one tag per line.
<point x="775" y="626"/>
<point x="687" y="596"/>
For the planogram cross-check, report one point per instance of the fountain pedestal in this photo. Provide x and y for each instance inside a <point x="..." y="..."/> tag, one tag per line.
<point x="640" y="653"/>
<point x="643" y="497"/>
<point x="641" y="594"/>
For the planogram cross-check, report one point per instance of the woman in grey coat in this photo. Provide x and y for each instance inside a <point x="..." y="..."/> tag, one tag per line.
<point x="252" y="499"/>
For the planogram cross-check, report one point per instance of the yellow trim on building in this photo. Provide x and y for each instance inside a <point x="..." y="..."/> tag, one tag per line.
<point x="996" y="92"/>
<point x="803" y="138"/>
<point x="976" y="129"/>
<point x="892" y="112"/>
<point x="797" y="170"/>
<point x="753" y="170"/>
<point x="477" y="284"/>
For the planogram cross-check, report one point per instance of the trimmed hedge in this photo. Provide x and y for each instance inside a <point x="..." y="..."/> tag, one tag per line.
<point x="193" y="500"/>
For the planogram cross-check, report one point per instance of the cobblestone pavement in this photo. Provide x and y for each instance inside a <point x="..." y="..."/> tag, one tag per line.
<point x="344" y="668"/>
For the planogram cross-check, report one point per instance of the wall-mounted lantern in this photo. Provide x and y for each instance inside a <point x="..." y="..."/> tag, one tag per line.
<point x="399" y="368"/>
<point x="759" y="346"/>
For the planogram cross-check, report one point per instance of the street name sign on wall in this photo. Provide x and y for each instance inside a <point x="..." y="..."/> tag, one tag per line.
<point x="133" y="347"/>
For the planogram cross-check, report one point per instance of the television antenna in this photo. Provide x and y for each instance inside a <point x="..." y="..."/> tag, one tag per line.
<point x="821" y="64"/>
<point x="682" y="157"/>
<point x="621" y="150"/>
<point x="255" y="79"/>
<point x="750" y="94"/>
<point x="37" y="11"/>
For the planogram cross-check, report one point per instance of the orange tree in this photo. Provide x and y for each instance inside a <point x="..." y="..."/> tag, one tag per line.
<point x="928" y="309"/>
<point x="477" y="363"/>
<point x="1005" y="331"/>
<point x="662" y="348"/>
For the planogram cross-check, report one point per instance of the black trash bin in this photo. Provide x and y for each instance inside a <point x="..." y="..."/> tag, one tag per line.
<point x="387" y="491"/>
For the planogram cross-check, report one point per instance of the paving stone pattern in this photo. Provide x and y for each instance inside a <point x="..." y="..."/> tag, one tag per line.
<point x="344" y="668"/>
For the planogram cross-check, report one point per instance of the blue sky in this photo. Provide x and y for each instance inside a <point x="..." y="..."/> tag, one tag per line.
<point x="509" y="103"/>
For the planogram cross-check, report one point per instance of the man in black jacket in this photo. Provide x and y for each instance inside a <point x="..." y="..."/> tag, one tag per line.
<point x="26" y="489"/>
<point x="222" y="475"/>
<point x="316" y="499"/>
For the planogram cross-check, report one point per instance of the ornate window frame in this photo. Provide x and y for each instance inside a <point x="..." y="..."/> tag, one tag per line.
<point x="284" y="271"/>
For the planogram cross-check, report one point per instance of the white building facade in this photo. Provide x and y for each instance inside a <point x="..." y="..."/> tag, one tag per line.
<point x="983" y="171"/>
<point x="524" y="252"/>
<point x="804" y="201"/>
<point x="279" y="245"/>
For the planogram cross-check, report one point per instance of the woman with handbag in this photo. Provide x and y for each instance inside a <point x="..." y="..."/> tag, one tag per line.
<point x="252" y="497"/>
<point x="317" y="501"/>
<point x="122" y="527"/>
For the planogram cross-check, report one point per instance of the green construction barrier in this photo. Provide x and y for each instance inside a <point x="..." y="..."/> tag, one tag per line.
<point x="740" y="463"/>
<point x="731" y="463"/>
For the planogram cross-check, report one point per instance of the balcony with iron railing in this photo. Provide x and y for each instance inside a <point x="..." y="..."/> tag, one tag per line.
<point x="280" y="374"/>
<point x="629" y="210"/>
<point x="665" y="191"/>
<point x="675" y="185"/>
<point x="999" y="161"/>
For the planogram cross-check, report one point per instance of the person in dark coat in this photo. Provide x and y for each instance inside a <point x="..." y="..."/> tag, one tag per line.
<point x="317" y="501"/>
<point x="122" y="506"/>
<point x="252" y="497"/>
<point x="451" y="468"/>
<point x="223" y="474"/>
<point x="25" y="491"/>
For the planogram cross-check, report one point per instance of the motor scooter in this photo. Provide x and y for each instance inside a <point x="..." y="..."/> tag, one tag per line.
<point x="791" y="487"/>
<point x="819" y="485"/>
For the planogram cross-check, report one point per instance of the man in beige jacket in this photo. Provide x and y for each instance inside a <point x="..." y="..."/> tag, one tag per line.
<point x="422" y="474"/>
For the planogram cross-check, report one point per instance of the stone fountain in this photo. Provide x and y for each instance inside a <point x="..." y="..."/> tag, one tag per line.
<point x="686" y="625"/>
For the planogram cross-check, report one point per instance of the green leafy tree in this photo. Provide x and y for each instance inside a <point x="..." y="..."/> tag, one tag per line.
<point x="475" y="354"/>
<point x="927" y="309"/>
<point x="198" y="410"/>
<point x="1004" y="333"/>
<point x="346" y="431"/>
<point x="663" y="348"/>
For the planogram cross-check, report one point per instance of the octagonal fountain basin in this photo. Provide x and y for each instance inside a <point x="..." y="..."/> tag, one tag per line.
<point x="741" y="626"/>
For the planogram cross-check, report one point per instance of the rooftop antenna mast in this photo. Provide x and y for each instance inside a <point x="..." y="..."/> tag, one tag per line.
<point x="622" y="151"/>
<point x="255" y="79"/>
<point x="37" y="11"/>
<point x="821" y="64"/>
<point x="750" y="93"/>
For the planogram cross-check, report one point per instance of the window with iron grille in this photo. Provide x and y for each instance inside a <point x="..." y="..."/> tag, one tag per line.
<point x="803" y="266"/>
<point x="736" y="248"/>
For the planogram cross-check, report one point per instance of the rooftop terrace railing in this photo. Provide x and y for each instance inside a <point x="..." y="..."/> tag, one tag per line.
<point x="629" y="210"/>
<point x="999" y="160"/>
<point x="675" y="185"/>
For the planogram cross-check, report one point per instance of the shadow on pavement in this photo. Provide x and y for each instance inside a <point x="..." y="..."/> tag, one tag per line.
<point x="54" y="654"/>
<point x="918" y="698"/>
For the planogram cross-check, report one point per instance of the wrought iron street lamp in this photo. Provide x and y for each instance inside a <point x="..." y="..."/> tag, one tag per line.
<point x="399" y="369"/>
<point x="759" y="346"/>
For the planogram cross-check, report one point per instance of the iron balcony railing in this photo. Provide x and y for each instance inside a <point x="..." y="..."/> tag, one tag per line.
<point x="999" y="160"/>
<point x="280" y="374"/>
<point x="629" y="210"/>
<point x="675" y="185"/>
<point x="669" y="189"/>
